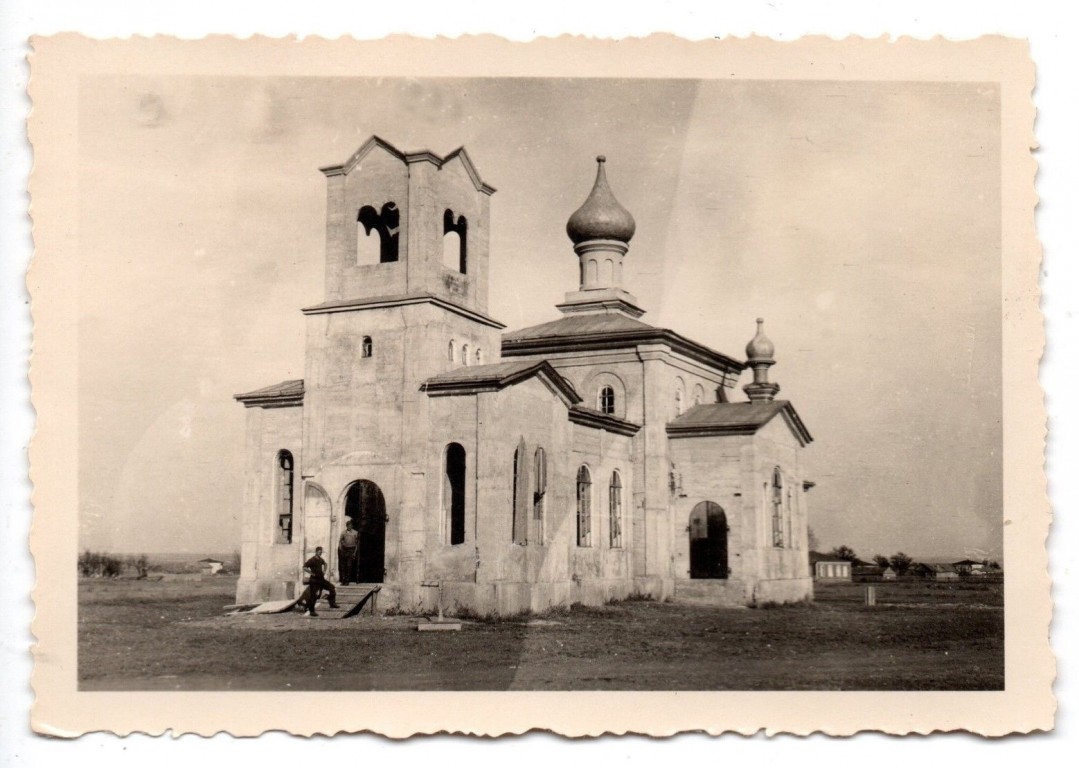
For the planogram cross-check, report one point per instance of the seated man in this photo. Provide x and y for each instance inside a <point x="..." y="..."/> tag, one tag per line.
<point x="318" y="582"/>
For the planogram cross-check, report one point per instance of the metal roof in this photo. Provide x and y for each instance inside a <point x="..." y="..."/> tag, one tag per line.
<point x="284" y="393"/>
<point x="744" y="418"/>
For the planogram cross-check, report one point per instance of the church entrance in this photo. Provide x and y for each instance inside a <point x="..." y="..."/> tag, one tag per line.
<point x="707" y="542"/>
<point x="365" y="506"/>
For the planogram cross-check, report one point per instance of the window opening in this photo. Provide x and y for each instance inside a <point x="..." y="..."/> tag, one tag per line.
<point x="387" y="224"/>
<point x="606" y="400"/>
<point x="283" y="534"/>
<point x="615" y="510"/>
<point x="455" y="242"/>
<point x="453" y="496"/>
<point x="584" y="507"/>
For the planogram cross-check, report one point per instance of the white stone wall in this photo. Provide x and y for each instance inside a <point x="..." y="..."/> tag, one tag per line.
<point x="269" y="570"/>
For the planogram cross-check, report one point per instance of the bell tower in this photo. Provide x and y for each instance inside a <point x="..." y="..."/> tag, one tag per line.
<point x="407" y="224"/>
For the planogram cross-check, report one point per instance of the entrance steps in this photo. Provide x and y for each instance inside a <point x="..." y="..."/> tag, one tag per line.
<point x="347" y="598"/>
<point x="710" y="591"/>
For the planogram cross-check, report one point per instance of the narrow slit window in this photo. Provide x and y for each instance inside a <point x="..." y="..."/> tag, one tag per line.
<point x="366" y="348"/>
<point x="615" y="510"/>
<point x="453" y="493"/>
<point x="520" y="491"/>
<point x="584" y="507"/>
<point x="777" y="508"/>
<point x="285" y="475"/>
<point x="539" y="469"/>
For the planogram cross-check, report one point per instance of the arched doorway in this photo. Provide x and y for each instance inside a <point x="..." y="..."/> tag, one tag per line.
<point x="707" y="542"/>
<point x="366" y="507"/>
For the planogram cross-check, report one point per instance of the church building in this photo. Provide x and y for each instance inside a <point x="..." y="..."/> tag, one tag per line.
<point x="586" y="459"/>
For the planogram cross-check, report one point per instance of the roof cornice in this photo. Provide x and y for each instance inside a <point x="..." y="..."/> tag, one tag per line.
<point x="255" y="400"/>
<point x="621" y="340"/>
<point x="590" y="418"/>
<point x="356" y="305"/>
<point x="424" y="155"/>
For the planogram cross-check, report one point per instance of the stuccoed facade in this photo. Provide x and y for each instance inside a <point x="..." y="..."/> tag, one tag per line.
<point x="582" y="460"/>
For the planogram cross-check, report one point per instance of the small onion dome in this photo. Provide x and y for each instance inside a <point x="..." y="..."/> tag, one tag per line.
<point x="601" y="217"/>
<point x="761" y="348"/>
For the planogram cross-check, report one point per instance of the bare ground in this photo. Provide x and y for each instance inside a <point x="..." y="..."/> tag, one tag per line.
<point x="172" y="636"/>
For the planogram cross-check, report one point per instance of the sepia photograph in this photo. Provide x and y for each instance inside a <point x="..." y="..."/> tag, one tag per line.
<point x="520" y="383"/>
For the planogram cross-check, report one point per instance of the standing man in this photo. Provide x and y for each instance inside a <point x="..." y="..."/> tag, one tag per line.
<point x="346" y="553"/>
<point x="317" y="566"/>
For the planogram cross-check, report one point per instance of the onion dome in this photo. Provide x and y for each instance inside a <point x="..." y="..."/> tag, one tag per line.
<point x="601" y="217"/>
<point x="761" y="347"/>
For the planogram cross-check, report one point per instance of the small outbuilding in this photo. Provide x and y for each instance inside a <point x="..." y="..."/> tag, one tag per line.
<point x="210" y="567"/>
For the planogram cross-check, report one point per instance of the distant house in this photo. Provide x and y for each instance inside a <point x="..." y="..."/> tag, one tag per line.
<point x="969" y="567"/>
<point x="829" y="569"/>
<point x="872" y="573"/>
<point x="935" y="571"/>
<point x="210" y="566"/>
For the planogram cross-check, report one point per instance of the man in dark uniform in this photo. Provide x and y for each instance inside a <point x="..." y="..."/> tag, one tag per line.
<point x="318" y="582"/>
<point x="346" y="553"/>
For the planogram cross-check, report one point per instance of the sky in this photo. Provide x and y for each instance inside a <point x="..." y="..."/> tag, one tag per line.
<point x="860" y="219"/>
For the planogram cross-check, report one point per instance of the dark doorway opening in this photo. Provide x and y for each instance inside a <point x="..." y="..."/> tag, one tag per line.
<point x="708" y="542"/>
<point x="366" y="507"/>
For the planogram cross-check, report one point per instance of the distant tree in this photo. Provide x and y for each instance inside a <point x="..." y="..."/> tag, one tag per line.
<point x="901" y="562"/>
<point x="142" y="566"/>
<point x="882" y="561"/>
<point x="843" y="552"/>
<point x="814" y="544"/>
<point x="111" y="566"/>
<point x="992" y="565"/>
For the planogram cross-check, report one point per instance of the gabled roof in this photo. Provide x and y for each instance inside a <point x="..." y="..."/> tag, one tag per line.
<point x="590" y="417"/>
<point x="281" y="395"/>
<point x="746" y="418"/>
<point x="424" y="155"/>
<point x="608" y="331"/>
<point x="495" y="376"/>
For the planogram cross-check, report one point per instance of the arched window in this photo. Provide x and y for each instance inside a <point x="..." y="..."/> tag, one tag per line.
<point x="366" y="347"/>
<point x="454" y="242"/>
<point x="678" y="402"/>
<point x="386" y="223"/>
<point x="453" y="492"/>
<point x="284" y="472"/>
<point x="777" y="508"/>
<point x="451" y="351"/>
<point x="479" y="356"/>
<point x="606" y="399"/>
<point x="520" y="494"/>
<point x="539" y="471"/>
<point x="698" y="395"/>
<point x="615" y="509"/>
<point x="584" y="507"/>
<point x="464" y="354"/>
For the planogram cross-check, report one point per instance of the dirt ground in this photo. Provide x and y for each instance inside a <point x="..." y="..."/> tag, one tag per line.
<point x="173" y="636"/>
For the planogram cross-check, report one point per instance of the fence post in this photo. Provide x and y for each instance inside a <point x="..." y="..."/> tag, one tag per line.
<point x="870" y="594"/>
